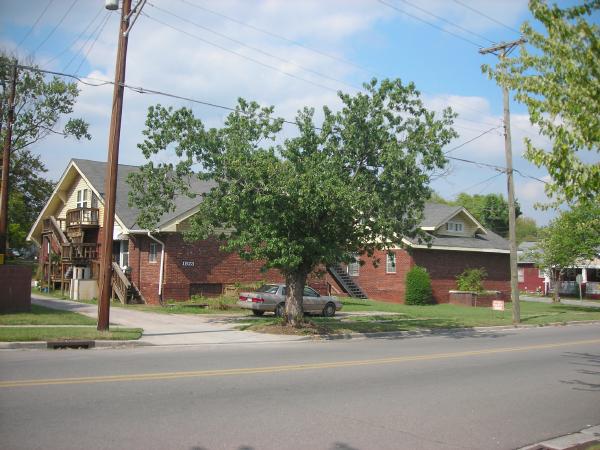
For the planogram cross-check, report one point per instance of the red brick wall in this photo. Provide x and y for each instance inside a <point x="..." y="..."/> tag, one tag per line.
<point x="443" y="267"/>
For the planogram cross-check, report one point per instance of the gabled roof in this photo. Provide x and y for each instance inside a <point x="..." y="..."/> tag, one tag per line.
<point x="94" y="172"/>
<point x="437" y="214"/>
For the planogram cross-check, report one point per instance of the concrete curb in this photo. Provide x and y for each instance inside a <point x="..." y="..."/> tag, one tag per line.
<point x="587" y="436"/>
<point x="37" y="345"/>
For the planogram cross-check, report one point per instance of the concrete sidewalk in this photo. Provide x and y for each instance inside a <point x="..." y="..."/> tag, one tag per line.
<point x="564" y="301"/>
<point x="169" y="329"/>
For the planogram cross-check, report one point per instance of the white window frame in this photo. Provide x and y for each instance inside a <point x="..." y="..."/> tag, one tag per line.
<point x="521" y="274"/>
<point x="455" y="227"/>
<point x="390" y="263"/>
<point x="153" y="253"/>
<point x="541" y="273"/>
<point x="82" y="198"/>
<point x="124" y="253"/>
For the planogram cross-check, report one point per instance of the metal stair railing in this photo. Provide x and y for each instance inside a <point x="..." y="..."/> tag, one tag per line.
<point x="350" y="286"/>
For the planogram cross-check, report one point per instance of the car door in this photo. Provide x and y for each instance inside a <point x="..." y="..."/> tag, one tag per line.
<point x="311" y="300"/>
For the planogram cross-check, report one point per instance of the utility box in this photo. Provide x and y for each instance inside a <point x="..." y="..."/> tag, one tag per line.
<point x="15" y="289"/>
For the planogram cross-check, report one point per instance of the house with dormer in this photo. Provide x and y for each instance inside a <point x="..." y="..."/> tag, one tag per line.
<point x="155" y="265"/>
<point x="457" y="242"/>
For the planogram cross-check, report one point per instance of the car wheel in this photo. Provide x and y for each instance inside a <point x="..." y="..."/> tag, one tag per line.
<point x="257" y="312"/>
<point x="329" y="310"/>
<point x="280" y="310"/>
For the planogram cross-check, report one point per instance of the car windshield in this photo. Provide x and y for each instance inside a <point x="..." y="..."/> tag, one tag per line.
<point x="268" y="289"/>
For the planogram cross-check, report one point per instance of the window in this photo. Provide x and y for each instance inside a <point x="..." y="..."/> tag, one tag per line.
<point x="94" y="200"/>
<point x="152" y="254"/>
<point x="390" y="263"/>
<point x="124" y="254"/>
<point x="82" y="198"/>
<point x="354" y="267"/>
<point x="309" y="292"/>
<point x="521" y="274"/>
<point x="541" y="274"/>
<point x="454" y="226"/>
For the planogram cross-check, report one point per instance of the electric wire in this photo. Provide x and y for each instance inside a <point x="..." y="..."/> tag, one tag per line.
<point x="74" y="41"/>
<point x="458" y="36"/>
<point x="447" y="21"/>
<point x="93" y="43"/>
<point x="256" y="49"/>
<point x="241" y="55"/>
<point x="489" y="179"/>
<point x="281" y="37"/>
<point x="486" y="16"/>
<point x="143" y="90"/>
<point x="87" y="41"/>
<point x="471" y="140"/>
<point x="24" y="38"/>
<point x="49" y="35"/>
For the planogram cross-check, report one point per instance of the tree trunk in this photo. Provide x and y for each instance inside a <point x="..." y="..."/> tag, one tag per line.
<point x="294" y="311"/>
<point x="555" y="295"/>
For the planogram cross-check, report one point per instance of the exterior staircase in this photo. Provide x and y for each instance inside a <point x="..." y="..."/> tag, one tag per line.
<point x="123" y="288"/>
<point x="348" y="284"/>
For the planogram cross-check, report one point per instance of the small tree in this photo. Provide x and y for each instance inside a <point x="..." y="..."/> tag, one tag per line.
<point x="418" y="287"/>
<point x="471" y="280"/>
<point x="357" y="183"/>
<point x="571" y="239"/>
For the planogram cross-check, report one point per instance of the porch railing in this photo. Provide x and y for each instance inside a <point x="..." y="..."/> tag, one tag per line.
<point x="592" y="287"/>
<point x="83" y="216"/>
<point x="120" y="284"/>
<point x="567" y="288"/>
<point x="80" y="252"/>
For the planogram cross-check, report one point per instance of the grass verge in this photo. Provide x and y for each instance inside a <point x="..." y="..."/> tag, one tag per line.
<point x="23" y="334"/>
<point x="409" y="318"/>
<point x="41" y="315"/>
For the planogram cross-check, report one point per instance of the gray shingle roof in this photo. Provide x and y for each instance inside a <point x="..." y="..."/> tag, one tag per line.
<point x="435" y="213"/>
<point x="95" y="171"/>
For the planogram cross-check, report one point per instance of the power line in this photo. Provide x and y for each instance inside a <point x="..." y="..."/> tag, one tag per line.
<point x="458" y="36"/>
<point x="471" y="140"/>
<point x="249" y="58"/>
<point x="486" y="16"/>
<point x="256" y="49"/>
<point x="34" y="24"/>
<point x="79" y="36"/>
<point x="143" y="90"/>
<point x="87" y="41"/>
<point x="108" y="16"/>
<point x="447" y="21"/>
<point x="477" y="184"/>
<point x="54" y="29"/>
<point x="278" y="36"/>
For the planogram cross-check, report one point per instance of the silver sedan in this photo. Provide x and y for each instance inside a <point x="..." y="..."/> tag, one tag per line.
<point x="271" y="298"/>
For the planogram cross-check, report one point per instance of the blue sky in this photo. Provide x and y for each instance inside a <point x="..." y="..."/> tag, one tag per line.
<point x="189" y="48"/>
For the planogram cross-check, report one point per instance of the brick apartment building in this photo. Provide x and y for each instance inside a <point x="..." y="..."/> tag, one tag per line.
<point x="151" y="266"/>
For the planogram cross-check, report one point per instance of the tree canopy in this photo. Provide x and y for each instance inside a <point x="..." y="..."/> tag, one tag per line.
<point x="558" y="79"/>
<point x="356" y="183"/>
<point x="570" y="239"/>
<point x="41" y="105"/>
<point x="527" y="229"/>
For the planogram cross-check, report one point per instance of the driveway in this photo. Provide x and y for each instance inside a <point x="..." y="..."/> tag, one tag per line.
<point x="168" y="329"/>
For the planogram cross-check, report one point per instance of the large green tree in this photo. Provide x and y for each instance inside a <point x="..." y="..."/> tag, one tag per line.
<point x="571" y="239"/>
<point x="527" y="229"/>
<point x="43" y="107"/>
<point x="557" y="75"/>
<point x="357" y="183"/>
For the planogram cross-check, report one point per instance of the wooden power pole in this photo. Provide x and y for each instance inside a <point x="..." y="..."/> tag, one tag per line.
<point x="110" y="188"/>
<point x="6" y="164"/>
<point x="502" y="50"/>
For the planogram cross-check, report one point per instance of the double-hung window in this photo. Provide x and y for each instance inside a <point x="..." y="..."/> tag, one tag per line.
<point x="354" y="267"/>
<point x="456" y="227"/>
<point x="390" y="263"/>
<point x="153" y="253"/>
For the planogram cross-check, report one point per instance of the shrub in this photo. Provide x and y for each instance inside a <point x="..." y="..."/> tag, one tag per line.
<point x="471" y="280"/>
<point x="418" y="287"/>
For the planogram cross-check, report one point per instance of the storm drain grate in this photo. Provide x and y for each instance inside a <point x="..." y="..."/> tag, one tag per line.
<point x="55" y="345"/>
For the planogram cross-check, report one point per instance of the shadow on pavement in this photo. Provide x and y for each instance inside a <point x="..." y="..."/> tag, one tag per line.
<point x="588" y="365"/>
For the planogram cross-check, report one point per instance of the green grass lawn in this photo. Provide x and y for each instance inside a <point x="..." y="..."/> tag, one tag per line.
<point x="15" y="327"/>
<point x="407" y="318"/>
<point x="23" y="334"/>
<point x="41" y="315"/>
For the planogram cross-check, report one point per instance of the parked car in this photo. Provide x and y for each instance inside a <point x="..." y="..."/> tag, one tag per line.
<point x="271" y="298"/>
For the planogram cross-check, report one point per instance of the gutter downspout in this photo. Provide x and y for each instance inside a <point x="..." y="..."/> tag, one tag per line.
<point x="162" y="266"/>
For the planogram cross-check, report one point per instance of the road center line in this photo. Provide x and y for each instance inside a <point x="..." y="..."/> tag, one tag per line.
<point x="285" y="368"/>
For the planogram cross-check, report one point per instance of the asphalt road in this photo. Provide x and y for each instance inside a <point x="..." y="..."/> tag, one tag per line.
<point x="497" y="390"/>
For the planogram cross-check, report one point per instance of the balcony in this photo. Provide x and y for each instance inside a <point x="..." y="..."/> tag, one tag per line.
<point x="80" y="252"/>
<point x="83" y="217"/>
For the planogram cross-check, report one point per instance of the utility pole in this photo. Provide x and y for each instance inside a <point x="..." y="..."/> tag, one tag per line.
<point x="502" y="50"/>
<point x="6" y="164"/>
<point x="110" y="188"/>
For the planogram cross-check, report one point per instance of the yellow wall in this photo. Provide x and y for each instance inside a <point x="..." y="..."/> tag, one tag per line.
<point x="71" y="199"/>
<point x="469" y="226"/>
